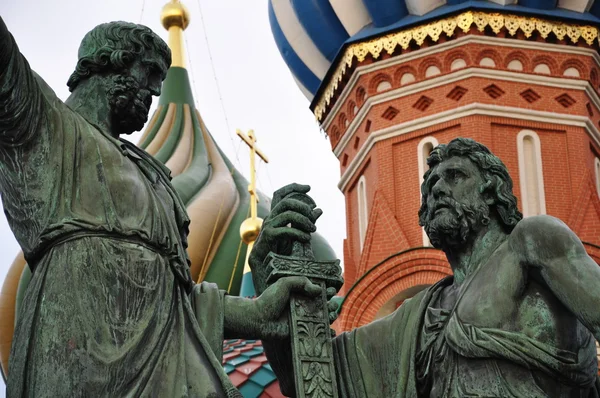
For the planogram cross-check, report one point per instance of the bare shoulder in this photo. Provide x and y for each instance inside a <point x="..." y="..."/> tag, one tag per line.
<point x="537" y="239"/>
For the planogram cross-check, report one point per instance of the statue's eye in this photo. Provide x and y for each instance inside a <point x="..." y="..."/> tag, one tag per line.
<point x="455" y="175"/>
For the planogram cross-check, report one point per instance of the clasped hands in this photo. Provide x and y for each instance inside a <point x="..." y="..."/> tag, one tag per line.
<point x="292" y="218"/>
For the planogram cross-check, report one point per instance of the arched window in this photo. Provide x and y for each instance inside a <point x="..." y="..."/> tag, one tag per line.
<point x="424" y="148"/>
<point x="363" y="213"/>
<point x="597" y="167"/>
<point x="530" y="173"/>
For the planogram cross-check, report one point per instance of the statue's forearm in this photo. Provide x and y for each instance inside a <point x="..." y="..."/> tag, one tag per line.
<point x="21" y="101"/>
<point x="241" y="318"/>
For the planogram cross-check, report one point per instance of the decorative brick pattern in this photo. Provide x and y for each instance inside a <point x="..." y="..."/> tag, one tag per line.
<point x="565" y="100"/>
<point x="390" y="113"/>
<point x="457" y="93"/>
<point x="530" y="96"/>
<point x="494" y="91"/>
<point x="392" y="259"/>
<point x="423" y="103"/>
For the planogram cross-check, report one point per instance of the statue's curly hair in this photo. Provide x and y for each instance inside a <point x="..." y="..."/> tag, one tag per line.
<point x="492" y="171"/>
<point x="113" y="47"/>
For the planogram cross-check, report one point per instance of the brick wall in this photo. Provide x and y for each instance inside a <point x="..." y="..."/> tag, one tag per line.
<point x="391" y="260"/>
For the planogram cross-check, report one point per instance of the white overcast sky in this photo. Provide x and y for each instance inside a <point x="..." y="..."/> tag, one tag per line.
<point x="256" y="88"/>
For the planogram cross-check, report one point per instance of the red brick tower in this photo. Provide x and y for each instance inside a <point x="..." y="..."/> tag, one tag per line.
<point x="521" y="79"/>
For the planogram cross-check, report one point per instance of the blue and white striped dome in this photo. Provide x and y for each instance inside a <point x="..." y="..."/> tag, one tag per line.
<point x="310" y="33"/>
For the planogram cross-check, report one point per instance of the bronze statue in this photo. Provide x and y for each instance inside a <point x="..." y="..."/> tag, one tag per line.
<point x="519" y="318"/>
<point x="111" y="309"/>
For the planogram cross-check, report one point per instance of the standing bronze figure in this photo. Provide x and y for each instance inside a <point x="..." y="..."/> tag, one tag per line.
<point x="111" y="309"/>
<point x="519" y="317"/>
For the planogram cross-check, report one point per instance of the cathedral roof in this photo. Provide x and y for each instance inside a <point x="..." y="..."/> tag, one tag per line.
<point x="311" y="35"/>
<point x="246" y="365"/>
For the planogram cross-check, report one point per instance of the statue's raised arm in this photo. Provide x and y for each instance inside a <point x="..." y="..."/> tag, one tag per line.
<point x="21" y="101"/>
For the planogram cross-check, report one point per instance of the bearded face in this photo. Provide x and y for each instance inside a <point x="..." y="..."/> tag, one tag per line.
<point x="454" y="208"/>
<point x="449" y="223"/>
<point x="129" y="105"/>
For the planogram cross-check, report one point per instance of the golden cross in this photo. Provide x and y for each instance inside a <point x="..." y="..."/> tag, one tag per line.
<point x="250" y="140"/>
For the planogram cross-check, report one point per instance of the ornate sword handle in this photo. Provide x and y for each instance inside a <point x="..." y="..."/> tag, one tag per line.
<point x="312" y="350"/>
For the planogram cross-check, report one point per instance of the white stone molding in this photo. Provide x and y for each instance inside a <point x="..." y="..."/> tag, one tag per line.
<point x="597" y="167"/>
<point x="363" y="210"/>
<point x="438" y="48"/>
<point x="423" y="149"/>
<point x="531" y="174"/>
<point x="473" y="109"/>
<point x="462" y="74"/>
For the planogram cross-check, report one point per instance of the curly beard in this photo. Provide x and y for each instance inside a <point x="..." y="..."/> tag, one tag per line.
<point x="129" y="106"/>
<point x="452" y="226"/>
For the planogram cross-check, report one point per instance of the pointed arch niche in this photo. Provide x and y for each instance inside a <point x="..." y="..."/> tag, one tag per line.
<point x="531" y="174"/>
<point x="424" y="148"/>
<point x="363" y="212"/>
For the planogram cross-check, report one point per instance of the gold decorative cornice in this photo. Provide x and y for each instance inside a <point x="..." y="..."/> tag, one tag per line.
<point x="497" y="22"/>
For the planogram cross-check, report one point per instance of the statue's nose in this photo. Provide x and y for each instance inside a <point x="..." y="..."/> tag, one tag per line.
<point x="440" y="189"/>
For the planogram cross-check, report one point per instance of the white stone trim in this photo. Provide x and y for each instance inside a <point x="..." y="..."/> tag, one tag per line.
<point x="515" y="64"/>
<point x="432" y="71"/>
<point x="542" y="69"/>
<point x="487" y="62"/>
<point x="571" y="72"/>
<point x="383" y="86"/>
<point x="523" y="172"/>
<point x="458" y="64"/>
<point x="597" y="167"/>
<point x="422" y="168"/>
<point x="362" y="210"/>
<point x="407" y="78"/>
<point x="458" y="113"/>
<point x="462" y="74"/>
<point x="438" y="48"/>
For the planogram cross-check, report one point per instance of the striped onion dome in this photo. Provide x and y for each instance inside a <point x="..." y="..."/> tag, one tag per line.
<point x="214" y="191"/>
<point x="311" y="33"/>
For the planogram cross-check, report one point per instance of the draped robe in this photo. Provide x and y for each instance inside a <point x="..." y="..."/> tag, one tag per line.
<point x="393" y="357"/>
<point x="111" y="309"/>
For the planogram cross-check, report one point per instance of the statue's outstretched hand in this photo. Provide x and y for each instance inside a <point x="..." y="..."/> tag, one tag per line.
<point x="292" y="218"/>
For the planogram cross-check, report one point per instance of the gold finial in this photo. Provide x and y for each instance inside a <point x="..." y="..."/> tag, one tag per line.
<point x="175" y="18"/>
<point x="175" y="14"/>
<point x="251" y="226"/>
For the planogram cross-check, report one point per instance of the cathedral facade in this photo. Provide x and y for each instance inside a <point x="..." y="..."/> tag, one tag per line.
<point x="389" y="80"/>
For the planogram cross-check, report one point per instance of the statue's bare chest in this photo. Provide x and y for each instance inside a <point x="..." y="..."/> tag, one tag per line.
<point x="505" y="295"/>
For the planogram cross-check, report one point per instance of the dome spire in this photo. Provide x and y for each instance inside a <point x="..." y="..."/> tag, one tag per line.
<point x="175" y="18"/>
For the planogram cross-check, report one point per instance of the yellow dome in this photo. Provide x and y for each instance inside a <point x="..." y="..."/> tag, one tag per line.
<point x="175" y="14"/>
<point x="8" y="296"/>
<point x="250" y="228"/>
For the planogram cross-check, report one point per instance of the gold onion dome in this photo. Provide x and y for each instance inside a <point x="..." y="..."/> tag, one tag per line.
<point x="175" y="14"/>
<point x="250" y="229"/>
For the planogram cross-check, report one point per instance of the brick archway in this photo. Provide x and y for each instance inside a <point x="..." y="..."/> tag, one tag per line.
<point x="422" y="266"/>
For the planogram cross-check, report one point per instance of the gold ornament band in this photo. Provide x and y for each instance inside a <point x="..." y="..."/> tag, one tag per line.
<point x="464" y="21"/>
